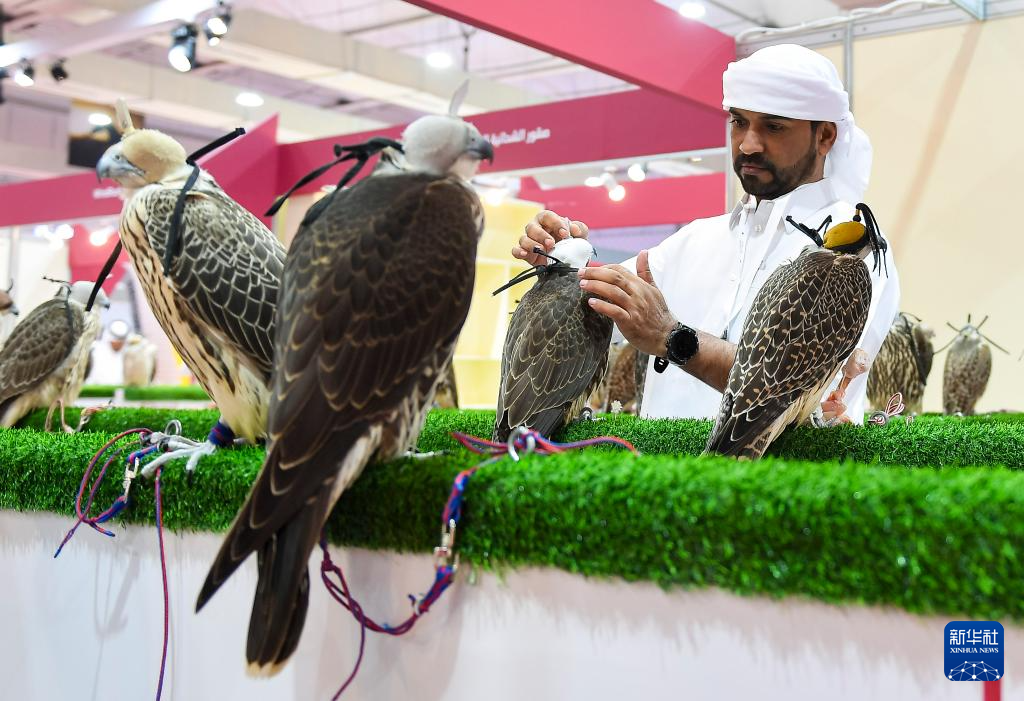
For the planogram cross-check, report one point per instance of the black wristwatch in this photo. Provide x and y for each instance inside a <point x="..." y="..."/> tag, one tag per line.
<point x="680" y="346"/>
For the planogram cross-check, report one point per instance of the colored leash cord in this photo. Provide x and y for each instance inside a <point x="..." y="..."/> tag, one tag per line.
<point x="446" y="561"/>
<point x="149" y="443"/>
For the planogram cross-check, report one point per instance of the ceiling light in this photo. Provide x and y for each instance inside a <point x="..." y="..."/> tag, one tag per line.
<point x="440" y="59"/>
<point x="617" y="193"/>
<point x="637" y="173"/>
<point x="695" y="159"/>
<point x="182" y="55"/>
<point x="57" y="71"/>
<point x="64" y="231"/>
<point x="25" y="75"/>
<point x="594" y="181"/>
<point x="692" y="10"/>
<point x="249" y="99"/>
<point x="217" y="25"/>
<point x="99" y="119"/>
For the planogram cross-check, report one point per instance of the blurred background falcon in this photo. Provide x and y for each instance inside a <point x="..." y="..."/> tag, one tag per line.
<point x="44" y="361"/>
<point x="902" y="364"/>
<point x="804" y="322"/>
<point x="375" y="292"/>
<point x="556" y="348"/>
<point x="968" y="366"/>
<point x="217" y="301"/>
<point x="8" y="314"/>
<point x="139" y="358"/>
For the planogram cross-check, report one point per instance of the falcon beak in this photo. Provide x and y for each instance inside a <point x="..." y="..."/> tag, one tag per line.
<point x="114" y="166"/>
<point x="481" y="148"/>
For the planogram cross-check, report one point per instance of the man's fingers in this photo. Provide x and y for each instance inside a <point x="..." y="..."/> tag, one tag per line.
<point x="553" y="224"/>
<point x="579" y="229"/>
<point x="612" y="274"/>
<point x="643" y="268"/>
<point x="606" y="291"/>
<point x="613" y="312"/>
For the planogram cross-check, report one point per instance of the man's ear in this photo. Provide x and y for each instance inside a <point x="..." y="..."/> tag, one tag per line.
<point x="827" y="134"/>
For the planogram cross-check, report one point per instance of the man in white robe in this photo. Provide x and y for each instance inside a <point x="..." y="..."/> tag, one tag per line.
<point x="800" y="158"/>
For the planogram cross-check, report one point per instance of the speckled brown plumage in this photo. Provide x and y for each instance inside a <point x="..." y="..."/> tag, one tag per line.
<point x="217" y="303"/>
<point x="45" y="358"/>
<point x="371" y="307"/>
<point x="555" y="356"/>
<point x="902" y="365"/>
<point x="965" y="376"/>
<point x="804" y="322"/>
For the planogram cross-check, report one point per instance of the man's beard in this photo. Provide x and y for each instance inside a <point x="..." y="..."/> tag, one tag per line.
<point x="783" y="180"/>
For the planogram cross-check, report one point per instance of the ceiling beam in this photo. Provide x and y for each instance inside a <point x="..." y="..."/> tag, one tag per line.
<point x="300" y="51"/>
<point x="644" y="43"/>
<point x="161" y="91"/>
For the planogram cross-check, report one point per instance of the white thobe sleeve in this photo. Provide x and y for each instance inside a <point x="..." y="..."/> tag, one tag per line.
<point x="885" y="304"/>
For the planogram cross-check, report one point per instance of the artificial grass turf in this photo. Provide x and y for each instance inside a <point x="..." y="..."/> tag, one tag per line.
<point x="931" y="541"/>
<point x="152" y="393"/>
<point x="924" y="443"/>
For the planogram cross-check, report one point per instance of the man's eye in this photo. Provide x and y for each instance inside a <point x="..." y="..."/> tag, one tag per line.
<point x="737" y="121"/>
<point x="775" y="127"/>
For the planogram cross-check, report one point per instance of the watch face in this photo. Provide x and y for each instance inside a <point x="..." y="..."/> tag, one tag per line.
<point x="683" y="345"/>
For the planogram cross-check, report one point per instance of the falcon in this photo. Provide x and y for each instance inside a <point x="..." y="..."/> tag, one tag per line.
<point x="376" y="289"/>
<point x="967" y="369"/>
<point x="902" y="364"/>
<point x="804" y="322"/>
<point x="139" y="359"/>
<point x="211" y="279"/>
<point x="556" y="347"/>
<point x="43" y="362"/>
<point x="8" y="314"/>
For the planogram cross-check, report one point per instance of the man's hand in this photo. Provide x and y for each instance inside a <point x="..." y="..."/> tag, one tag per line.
<point x="633" y="302"/>
<point x="545" y="229"/>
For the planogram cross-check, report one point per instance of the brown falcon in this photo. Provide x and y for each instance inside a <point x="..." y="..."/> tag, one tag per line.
<point x="447" y="396"/>
<point x="968" y="366"/>
<point x="804" y="322"/>
<point x="216" y="301"/>
<point x="556" y="348"/>
<point x="371" y="308"/>
<point x="8" y="314"/>
<point x="902" y="364"/>
<point x="43" y="362"/>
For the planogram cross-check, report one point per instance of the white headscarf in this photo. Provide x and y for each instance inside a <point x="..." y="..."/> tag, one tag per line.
<point x="792" y="81"/>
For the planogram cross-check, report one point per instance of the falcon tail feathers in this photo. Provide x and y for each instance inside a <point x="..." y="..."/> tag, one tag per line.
<point x="282" y="593"/>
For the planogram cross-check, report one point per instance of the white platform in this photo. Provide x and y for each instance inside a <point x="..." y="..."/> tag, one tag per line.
<point x="88" y="625"/>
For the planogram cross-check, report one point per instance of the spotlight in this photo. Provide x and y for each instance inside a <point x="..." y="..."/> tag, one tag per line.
<point x="249" y="99"/>
<point x="439" y="59"/>
<point x="99" y="119"/>
<point x="217" y="25"/>
<point x="594" y="181"/>
<point x="637" y="173"/>
<point x="99" y="237"/>
<point x="692" y="10"/>
<point x="617" y="193"/>
<point x="182" y="55"/>
<point x="25" y="75"/>
<point x="58" y="71"/>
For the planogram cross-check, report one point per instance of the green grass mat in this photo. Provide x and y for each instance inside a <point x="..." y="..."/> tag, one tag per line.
<point x="925" y="443"/>
<point x="931" y="541"/>
<point x="153" y="393"/>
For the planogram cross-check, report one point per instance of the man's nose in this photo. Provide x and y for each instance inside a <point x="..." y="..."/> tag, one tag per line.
<point x="751" y="143"/>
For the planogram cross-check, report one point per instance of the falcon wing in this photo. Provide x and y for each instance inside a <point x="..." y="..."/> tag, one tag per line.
<point x="37" y="347"/>
<point x="228" y="269"/>
<point x="556" y="350"/>
<point x="371" y="307"/>
<point x="923" y="350"/>
<point x="804" y="322"/>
